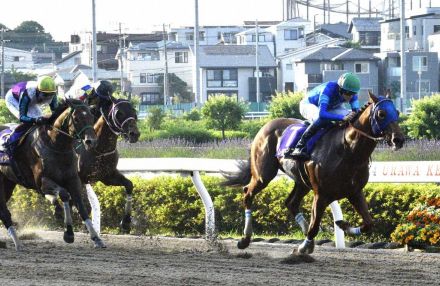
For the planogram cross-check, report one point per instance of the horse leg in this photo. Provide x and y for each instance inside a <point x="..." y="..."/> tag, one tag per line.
<point x="357" y="199"/>
<point x="59" y="210"/>
<point x="117" y="179"/>
<point x="318" y="208"/>
<point x="293" y="203"/>
<point x="5" y="215"/>
<point x="74" y="187"/>
<point x="53" y="190"/>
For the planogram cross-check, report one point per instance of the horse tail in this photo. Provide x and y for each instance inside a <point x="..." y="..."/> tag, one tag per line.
<point x="240" y="178"/>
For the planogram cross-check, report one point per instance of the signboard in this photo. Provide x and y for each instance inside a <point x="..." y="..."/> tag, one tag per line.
<point x="405" y="172"/>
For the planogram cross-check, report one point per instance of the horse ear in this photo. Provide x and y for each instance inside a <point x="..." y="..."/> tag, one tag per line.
<point x="372" y="96"/>
<point x="388" y="93"/>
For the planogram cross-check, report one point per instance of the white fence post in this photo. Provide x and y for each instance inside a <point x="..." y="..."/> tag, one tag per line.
<point x="339" y="233"/>
<point x="207" y="202"/>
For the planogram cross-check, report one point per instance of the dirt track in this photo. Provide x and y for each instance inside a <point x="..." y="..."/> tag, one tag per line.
<point x="131" y="260"/>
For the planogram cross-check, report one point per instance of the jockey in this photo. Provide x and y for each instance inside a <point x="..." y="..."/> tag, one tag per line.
<point x="324" y="104"/>
<point x="95" y="95"/>
<point x="23" y="100"/>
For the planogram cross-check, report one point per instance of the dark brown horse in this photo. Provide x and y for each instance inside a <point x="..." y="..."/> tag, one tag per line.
<point x="338" y="168"/>
<point x="48" y="165"/>
<point x="118" y="119"/>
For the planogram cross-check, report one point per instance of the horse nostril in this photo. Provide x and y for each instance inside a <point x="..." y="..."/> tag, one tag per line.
<point x="88" y="142"/>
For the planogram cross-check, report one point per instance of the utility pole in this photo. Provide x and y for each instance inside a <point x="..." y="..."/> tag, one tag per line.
<point x="121" y="48"/>
<point x="308" y="9"/>
<point x="359" y="8"/>
<point x="328" y="7"/>
<point x="402" y="58"/>
<point x="257" y="67"/>
<point x="346" y="11"/>
<point x="165" y="75"/>
<point x="3" y="65"/>
<point x="94" y="53"/>
<point x="198" y="96"/>
<point x="323" y="11"/>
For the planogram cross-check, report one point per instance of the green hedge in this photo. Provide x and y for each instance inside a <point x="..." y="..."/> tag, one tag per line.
<point x="171" y="205"/>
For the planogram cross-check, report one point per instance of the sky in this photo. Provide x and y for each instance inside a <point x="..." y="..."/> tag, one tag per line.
<point x="62" y="18"/>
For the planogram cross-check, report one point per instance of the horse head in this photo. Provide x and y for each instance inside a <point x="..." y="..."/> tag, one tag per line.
<point x="121" y="118"/>
<point x="382" y="120"/>
<point x="77" y="122"/>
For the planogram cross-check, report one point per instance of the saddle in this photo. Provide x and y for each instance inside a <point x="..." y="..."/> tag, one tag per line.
<point x="291" y="136"/>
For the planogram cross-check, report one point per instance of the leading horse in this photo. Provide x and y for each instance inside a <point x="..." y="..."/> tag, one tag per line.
<point x="118" y="118"/>
<point x="48" y="165"/>
<point x="338" y="168"/>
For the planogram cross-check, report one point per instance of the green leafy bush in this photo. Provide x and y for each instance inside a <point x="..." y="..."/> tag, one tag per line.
<point x="286" y="105"/>
<point x="424" y="120"/>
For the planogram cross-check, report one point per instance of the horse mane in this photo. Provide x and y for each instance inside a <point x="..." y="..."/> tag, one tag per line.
<point x="63" y="104"/>
<point x="360" y="111"/>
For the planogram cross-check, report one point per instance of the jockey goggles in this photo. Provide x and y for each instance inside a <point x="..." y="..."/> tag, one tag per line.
<point x="348" y="92"/>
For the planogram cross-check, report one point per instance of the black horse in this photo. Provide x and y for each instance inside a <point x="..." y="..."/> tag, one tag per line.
<point x="118" y="117"/>
<point x="338" y="168"/>
<point x="48" y="164"/>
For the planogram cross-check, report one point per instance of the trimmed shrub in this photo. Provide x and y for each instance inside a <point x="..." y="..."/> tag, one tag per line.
<point x="286" y="105"/>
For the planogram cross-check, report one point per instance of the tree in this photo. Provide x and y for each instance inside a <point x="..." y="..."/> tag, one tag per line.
<point x="176" y="87"/>
<point x="29" y="27"/>
<point x="5" y="115"/>
<point x="285" y="105"/>
<point x="3" y="27"/>
<point x="155" y="118"/>
<point x="424" y="120"/>
<point x="223" y="112"/>
<point x="21" y="76"/>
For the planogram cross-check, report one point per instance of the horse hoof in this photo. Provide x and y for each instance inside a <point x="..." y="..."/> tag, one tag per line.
<point x="99" y="243"/>
<point x="68" y="238"/>
<point x="243" y="243"/>
<point x="306" y="247"/>
<point x="125" y="224"/>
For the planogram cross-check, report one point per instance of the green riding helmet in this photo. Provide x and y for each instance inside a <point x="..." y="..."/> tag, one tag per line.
<point x="350" y="82"/>
<point x="46" y="84"/>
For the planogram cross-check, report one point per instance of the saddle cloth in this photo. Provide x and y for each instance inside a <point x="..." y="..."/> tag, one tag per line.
<point x="291" y="136"/>
<point x="4" y="136"/>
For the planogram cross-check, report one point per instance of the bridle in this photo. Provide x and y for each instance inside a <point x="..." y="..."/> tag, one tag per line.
<point x="112" y="121"/>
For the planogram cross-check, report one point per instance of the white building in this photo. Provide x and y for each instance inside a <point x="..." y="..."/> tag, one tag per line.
<point x="18" y="59"/>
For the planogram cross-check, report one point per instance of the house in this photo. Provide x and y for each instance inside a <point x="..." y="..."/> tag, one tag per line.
<point x="417" y="29"/>
<point x="107" y="46"/>
<point x="18" y="59"/>
<point x="280" y="38"/>
<point x="230" y="70"/>
<point x="328" y="63"/>
<point x="144" y="63"/>
<point x="69" y="61"/>
<point x="208" y="35"/>
<point x="366" y="32"/>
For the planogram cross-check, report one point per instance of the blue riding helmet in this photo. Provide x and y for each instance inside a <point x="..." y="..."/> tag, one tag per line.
<point x="391" y="115"/>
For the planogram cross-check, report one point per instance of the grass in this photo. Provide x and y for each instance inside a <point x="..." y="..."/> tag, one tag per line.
<point x="413" y="150"/>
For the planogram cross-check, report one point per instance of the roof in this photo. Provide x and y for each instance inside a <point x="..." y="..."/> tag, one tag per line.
<point x="235" y="56"/>
<point x="338" y="53"/>
<point x="365" y="24"/>
<point x="69" y="56"/>
<point x="335" y="30"/>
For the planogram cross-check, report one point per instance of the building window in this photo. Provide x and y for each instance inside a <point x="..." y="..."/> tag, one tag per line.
<point x="181" y="57"/>
<point x="153" y="77"/>
<point x="261" y="38"/>
<point x="148" y="56"/>
<point x="291" y="34"/>
<point x="264" y="72"/>
<point x="16" y="59"/>
<point x="414" y="30"/>
<point x="148" y="98"/>
<point x="361" y="67"/>
<point x="406" y="32"/>
<point x="332" y="66"/>
<point x="315" y="78"/>
<point x="222" y="78"/>
<point x="436" y="28"/>
<point x="143" y="78"/>
<point x="420" y="63"/>
<point x="289" y="67"/>
<point x="189" y="36"/>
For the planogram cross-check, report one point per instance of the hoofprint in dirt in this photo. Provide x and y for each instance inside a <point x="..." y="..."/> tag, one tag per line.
<point x="134" y="260"/>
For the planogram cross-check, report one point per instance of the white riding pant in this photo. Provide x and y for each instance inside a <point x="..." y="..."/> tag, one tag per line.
<point x="34" y="110"/>
<point x="311" y="112"/>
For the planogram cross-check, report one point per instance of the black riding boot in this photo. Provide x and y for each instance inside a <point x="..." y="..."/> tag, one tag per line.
<point x="300" y="149"/>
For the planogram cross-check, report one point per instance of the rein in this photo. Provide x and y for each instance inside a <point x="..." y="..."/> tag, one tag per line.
<point x="114" y="125"/>
<point x="376" y="139"/>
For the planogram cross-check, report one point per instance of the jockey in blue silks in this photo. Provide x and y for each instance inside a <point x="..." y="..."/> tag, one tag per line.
<point x="24" y="100"/>
<point x="323" y="105"/>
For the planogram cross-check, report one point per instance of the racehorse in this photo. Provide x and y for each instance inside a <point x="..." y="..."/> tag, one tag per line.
<point x="99" y="164"/>
<point x="338" y="168"/>
<point x="48" y="164"/>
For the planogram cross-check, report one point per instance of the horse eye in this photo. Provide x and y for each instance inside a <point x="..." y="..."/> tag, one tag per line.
<point x="381" y="114"/>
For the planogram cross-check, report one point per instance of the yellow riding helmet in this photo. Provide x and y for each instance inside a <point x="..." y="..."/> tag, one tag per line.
<point x="46" y="84"/>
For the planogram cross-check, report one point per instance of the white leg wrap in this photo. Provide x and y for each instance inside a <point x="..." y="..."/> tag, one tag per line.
<point x="128" y="201"/>
<point x="247" y="223"/>
<point x="90" y="228"/>
<point x="13" y="235"/>
<point x="354" y="230"/>
<point x="301" y="221"/>
<point x="67" y="214"/>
